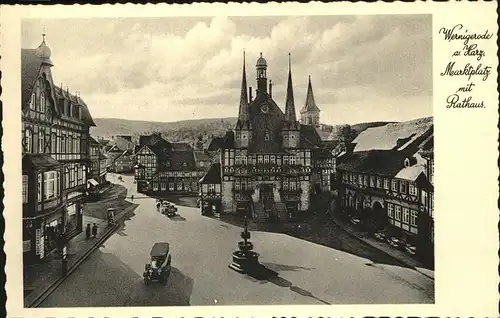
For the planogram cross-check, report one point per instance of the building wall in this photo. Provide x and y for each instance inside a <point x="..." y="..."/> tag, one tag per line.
<point x="305" y="186"/>
<point x="228" y="204"/>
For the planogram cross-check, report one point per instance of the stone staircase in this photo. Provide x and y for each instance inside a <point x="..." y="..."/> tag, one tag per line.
<point x="259" y="213"/>
<point x="281" y="211"/>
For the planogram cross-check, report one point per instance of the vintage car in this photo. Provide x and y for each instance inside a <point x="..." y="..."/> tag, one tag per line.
<point x="160" y="264"/>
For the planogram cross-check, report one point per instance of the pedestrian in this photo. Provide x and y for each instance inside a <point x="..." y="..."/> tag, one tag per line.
<point x="87" y="231"/>
<point x="132" y="197"/>
<point x="94" y="230"/>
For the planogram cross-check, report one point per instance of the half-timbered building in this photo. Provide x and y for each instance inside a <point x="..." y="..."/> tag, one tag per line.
<point x="164" y="168"/>
<point x="55" y="162"/>
<point x="267" y="163"/>
<point x="382" y="178"/>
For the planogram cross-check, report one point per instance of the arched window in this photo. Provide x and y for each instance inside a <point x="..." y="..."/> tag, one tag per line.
<point x="28" y="140"/>
<point x="42" y="102"/>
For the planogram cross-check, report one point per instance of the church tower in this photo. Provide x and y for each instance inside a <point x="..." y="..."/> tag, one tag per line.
<point x="291" y="129"/>
<point x="243" y="125"/>
<point x="309" y="115"/>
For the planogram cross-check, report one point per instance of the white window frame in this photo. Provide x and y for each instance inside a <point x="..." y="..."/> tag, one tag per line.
<point x="412" y="189"/>
<point x="413" y="217"/>
<point x="387" y="183"/>
<point x="398" y="212"/>
<point x="390" y="210"/>
<point x="39" y="187"/>
<point x="211" y="187"/>
<point x="394" y="185"/>
<point x="50" y="179"/>
<point x="406" y="215"/>
<point x="41" y="141"/>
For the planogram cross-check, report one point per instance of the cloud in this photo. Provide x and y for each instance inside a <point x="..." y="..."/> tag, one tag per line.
<point x="193" y="65"/>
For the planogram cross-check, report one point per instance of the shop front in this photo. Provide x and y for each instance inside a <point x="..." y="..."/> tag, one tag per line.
<point x="74" y="215"/>
<point x="42" y="235"/>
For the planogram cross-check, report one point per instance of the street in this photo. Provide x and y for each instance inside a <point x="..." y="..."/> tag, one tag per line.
<point x="201" y="250"/>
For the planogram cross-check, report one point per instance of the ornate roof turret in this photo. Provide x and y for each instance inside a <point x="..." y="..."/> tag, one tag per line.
<point x="43" y="51"/>
<point x="261" y="62"/>
<point x="243" y="117"/>
<point x="310" y="105"/>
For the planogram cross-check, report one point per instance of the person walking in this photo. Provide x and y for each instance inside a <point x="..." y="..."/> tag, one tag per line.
<point x="132" y="197"/>
<point x="94" y="230"/>
<point x="87" y="231"/>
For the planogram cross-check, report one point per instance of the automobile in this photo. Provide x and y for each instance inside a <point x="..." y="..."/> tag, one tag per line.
<point x="410" y="249"/>
<point x="160" y="265"/>
<point x="355" y="221"/>
<point x="395" y="242"/>
<point x="171" y="211"/>
<point x="380" y="236"/>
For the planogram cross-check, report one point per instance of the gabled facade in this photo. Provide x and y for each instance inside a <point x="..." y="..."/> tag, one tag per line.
<point x="267" y="163"/>
<point x="164" y="168"/>
<point x="124" y="162"/>
<point x="55" y="147"/>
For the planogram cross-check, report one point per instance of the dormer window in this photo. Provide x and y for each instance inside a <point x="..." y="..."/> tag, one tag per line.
<point x="407" y="162"/>
<point x="184" y="164"/>
<point x="266" y="137"/>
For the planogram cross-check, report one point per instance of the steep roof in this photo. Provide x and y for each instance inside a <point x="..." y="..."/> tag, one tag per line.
<point x="411" y="173"/>
<point x="202" y="156"/>
<point x="384" y="163"/>
<point x="396" y="136"/>
<point x="180" y="161"/>
<point x="310" y="105"/>
<point x="212" y="175"/>
<point x="30" y="67"/>
<point x="309" y="137"/>
<point x="216" y="143"/>
<point x="93" y="141"/>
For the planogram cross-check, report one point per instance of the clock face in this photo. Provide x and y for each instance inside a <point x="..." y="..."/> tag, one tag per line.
<point x="264" y="108"/>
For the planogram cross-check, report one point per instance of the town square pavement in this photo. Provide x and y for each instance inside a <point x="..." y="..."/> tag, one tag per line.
<point x="201" y="250"/>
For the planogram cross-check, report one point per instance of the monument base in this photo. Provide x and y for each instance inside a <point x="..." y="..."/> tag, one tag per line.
<point x="244" y="262"/>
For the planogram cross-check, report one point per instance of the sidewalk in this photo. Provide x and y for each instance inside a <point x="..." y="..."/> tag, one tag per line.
<point x="383" y="247"/>
<point x="42" y="276"/>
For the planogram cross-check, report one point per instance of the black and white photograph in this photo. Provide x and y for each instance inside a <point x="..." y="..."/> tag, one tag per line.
<point x="227" y="161"/>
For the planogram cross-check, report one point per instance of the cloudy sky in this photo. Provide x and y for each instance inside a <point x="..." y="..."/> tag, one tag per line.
<point x="363" y="68"/>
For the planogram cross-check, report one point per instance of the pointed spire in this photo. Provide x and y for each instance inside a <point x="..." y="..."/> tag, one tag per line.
<point x="243" y="111"/>
<point x="310" y="105"/>
<point x="289" y="103"/>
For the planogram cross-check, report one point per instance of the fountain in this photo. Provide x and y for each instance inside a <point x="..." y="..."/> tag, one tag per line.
<point x="245" y="259"/>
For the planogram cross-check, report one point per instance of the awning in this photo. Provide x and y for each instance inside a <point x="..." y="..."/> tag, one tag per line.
<point x="93" y="182"/>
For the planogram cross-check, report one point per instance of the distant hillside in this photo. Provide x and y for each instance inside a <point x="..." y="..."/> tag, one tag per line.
<point x="189" y="130"/>
<point x="186" y="130"/>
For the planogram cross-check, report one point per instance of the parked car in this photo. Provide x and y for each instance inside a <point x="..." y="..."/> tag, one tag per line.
<point x="379" y="235"/>
<point x="355" y="221"/>
<point x="395" y="242"/>
<point x="410" y="249"/>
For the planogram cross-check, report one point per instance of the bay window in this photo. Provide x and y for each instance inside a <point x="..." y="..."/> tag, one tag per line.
<point x="412" y="189"/>
<point x="25" y="189"/>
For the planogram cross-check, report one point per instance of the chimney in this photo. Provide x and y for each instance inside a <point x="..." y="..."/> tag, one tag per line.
<point x="250" y="94"/>
<point x="270" y="88"/>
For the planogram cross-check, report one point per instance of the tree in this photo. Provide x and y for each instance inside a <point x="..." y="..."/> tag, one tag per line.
<point x="346" y="134"/>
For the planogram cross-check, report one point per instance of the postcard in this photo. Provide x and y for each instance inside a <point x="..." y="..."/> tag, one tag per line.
<point x="251" y="160"/>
